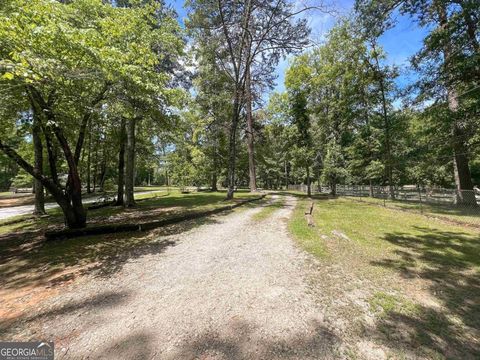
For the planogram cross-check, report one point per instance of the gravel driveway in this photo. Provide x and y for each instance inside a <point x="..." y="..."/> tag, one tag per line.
<point x="231" y="288"/>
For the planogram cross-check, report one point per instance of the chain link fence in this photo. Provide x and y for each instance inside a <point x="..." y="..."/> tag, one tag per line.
<point x="458" y="206"/>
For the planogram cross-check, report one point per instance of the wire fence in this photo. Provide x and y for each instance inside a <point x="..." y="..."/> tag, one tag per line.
<point x="458" y="206"/>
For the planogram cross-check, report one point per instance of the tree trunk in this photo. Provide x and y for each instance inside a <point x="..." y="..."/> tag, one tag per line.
<point x="286" y="176"/>
<point x="130" y="164"/>
<point x="250" y="137"/>
<point x="214" y="173"/>
<point x="233" y="149"/>
<point x="38" y="166"/>
<point x="121" y="162"/>
<point x="70" y="213"/>
<point x="214" y="181"/>
<point x="95" y="166"/>
<point x="333" y="188"/>
<point x="51" y="152"/>
<point x="463" y="179"/>
<point x="309" y="183"/>
<point x="104" y="165"/>
<point x="70" y="201"/>
<point x="386" y="122"/>
<point x="89" y="158"/>
<point x="74" y="184"/>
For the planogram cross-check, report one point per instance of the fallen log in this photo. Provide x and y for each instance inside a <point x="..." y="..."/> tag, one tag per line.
<point x="116" y="228"/>
<point x="100" y="205"/>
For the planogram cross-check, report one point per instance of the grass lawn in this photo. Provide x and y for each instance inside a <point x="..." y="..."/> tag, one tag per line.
<point x="5" y="194"/>
<point x="467" y="215"/>
<point x="406" y="282"/>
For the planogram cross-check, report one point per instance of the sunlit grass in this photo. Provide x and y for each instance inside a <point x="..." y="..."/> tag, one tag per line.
<point x="308" y="237"/>
<point x="388" y="248"/>
<point x="369" y="225"/>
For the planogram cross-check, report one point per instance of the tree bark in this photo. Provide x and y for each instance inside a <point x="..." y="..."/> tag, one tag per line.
<point x="85" y="120"/>
<point x="71" y="200"/>
<point x="74" y="184"/>
<point x="130" y="164"/>
<point x="104" y="165"/>
<point x="250" y="137"/>
<point x="463" y="178"/>
<point x="36" y="102"/>
<point x="214" y="182"/>
<point x="214" y="173"/>
<point x="56" y="191"/>
<point x="233" y="148"/>
<point x="89" y="158"/>
<point x="333" y="188"/>
<point x="121" y="163"/>
<point x="95" y="165"/>
<point x="286" y="176"/>
<point x="38" y="166"/>
<point x="309" y="183"/>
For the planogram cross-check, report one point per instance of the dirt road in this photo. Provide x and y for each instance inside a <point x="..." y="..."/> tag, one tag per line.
<point x="232" y="288"/>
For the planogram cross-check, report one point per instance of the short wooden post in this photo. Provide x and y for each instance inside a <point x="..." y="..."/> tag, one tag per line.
<point x="309" y="216"/>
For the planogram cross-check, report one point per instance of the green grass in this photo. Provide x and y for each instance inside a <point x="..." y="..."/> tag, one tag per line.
<point x="5" y="194"/>
<point x="268" y="209"/>
<point x="379" y="229"/>
<point x="388" y="248"/>
<point x="385" y="304"/>
<point x="308" y="237"/>
<point x="466" y="215"/>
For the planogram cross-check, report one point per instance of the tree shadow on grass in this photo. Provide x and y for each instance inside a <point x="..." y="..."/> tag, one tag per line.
<point x="449" y="261"/>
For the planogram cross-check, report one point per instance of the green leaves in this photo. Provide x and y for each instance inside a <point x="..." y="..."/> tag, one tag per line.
<point x="8" y="76"/>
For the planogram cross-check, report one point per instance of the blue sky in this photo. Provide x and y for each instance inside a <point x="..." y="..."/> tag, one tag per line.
<point x="400" y="43"/>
